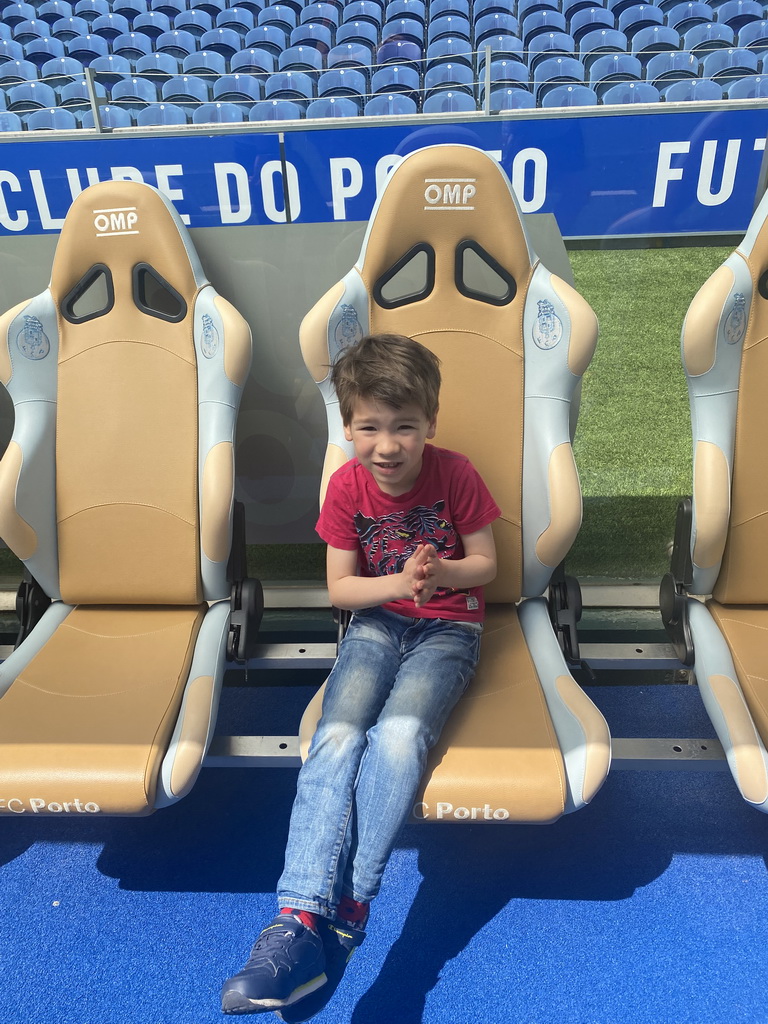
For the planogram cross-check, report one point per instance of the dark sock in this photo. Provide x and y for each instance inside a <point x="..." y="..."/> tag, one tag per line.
<point x="352" y="911"/>
<point x="306" y="917"/>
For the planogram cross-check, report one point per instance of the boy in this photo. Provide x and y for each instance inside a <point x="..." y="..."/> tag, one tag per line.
<point x="408" y="528"/>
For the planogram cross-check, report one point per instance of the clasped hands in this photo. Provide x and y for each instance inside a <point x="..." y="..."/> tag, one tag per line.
<point x="420" y="572"/>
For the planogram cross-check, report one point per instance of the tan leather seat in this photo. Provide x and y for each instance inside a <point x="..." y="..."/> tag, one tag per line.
<point x="446" y="260"/>
<point x="723" y="351"/>
<point x="116" y="490"/>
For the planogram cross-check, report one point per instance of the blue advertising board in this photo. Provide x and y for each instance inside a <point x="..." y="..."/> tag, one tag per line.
<point x="690" y="171"/>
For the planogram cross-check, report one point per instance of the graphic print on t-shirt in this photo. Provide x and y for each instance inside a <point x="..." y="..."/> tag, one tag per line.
<point x="390" y="541"/>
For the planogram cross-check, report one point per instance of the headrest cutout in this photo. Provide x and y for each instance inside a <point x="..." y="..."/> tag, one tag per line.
<point x="155" y="297"/>
<point x="409" y="279"/>
<point x="762" y="284"/>
<point x="479" y="276"/>
<point x="92" y="296"/>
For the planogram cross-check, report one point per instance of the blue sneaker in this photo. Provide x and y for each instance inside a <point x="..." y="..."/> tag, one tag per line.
<point x="286" y="963"/>
<point x="340" y="941"/>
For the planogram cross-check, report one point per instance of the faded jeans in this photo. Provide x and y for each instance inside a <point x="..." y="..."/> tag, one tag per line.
<point x="394" y="683"/>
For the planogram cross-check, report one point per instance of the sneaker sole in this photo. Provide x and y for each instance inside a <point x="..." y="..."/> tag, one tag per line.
<point x="234" y="1002"/>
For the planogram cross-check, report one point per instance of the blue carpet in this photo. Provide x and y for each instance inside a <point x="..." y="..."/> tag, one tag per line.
<point x="648" y="907"/>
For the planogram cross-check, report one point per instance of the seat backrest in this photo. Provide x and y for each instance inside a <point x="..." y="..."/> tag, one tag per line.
<point x="116" y="488"/>
<point x="512" y="337"/>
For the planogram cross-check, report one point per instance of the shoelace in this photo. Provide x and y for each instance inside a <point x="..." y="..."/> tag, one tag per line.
<point x="270" y="947"/>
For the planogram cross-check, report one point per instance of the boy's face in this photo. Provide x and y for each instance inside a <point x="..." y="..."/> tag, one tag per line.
<point x="389" y="442"/>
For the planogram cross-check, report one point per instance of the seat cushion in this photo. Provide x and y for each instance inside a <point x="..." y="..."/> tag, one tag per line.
<point x="745" y="629"/>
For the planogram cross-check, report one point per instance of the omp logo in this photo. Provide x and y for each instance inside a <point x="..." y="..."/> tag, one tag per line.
<point x="449" y="193"/>
<point x="444" y="810"/>
<point x="37" y="805"/>
<point x="120" y="221"/>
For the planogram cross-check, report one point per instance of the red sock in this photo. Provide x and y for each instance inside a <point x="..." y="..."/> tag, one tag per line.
<point x="352" y="911"/>
<point x="305" y="916"/>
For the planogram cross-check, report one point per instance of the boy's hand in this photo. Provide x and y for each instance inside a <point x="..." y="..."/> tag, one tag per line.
<point x="420" y="572"/>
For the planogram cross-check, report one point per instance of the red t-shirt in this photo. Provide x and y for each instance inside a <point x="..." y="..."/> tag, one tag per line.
<point x="448" y="500"/>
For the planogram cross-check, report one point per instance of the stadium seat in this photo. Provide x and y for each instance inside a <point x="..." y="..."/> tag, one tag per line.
<point x="196" y="22"/>
<point x="172" y="8"/>
<point x="358" y="32"/>
<point x="333" y="106"/>
<point x="111" y="697"/>
<point x="754" y="36"/>
<point x="87" y="48"/>
<point x="570" y="96"/>
<point x="110" y="25"/>
<point x="703" y="38"/>
<point x="51" y="118"/>
<point x="218" y="113"/>
<point x="225" y="41"/>
<point x="276" y="110"/>
<point x="24" y="31"/>
<point x="132" y="45"/>
<point x="257" y="6"/>
<point x="109" y="116"/>
<point x="40" y="51"/>
<point x="204" y="62"/>
<point x="724" y="66"/>
<point x="494" y="24"/>
<point x="61" y="70"/>
<point x="612" y="68"/>
<point x="637" y="17"/>
<point x="13" y="71"/>
<point x="237" y="18"/>
<point x="617" y="6"/>
<point x="111" y="68"/>
<point x="300" y="58"/>
<point x="312" y="34"/>
<point x="673" y="66"/>
<point x="656" y="39"/>
<point x="267" y="37"/>
<point x="416" y="9"/>
<point x="571" y="7"/>
<point x="587" y="19"/>
<point x="555" y="71"/>
<point x="396" y="78"/>
<point x="238" y="88"/>
<point x="10" y="50"/>
<point x="507" y="73"/>
<point x="453" y="25"/>
<point x="548" y="45"/>
<point x="177" y="43"/>
<point x="157" y="67"/>
<point x="75" y="95"/>
<point x="10" y="122"/>
<point x="450" y="50"/>
<point x="600" y="41"/>
<point x="394" y="104"/>
<point x="328" y="14"/>
<point x="154" y="24"/>
<point x="524" y="738"/>
<point x="630" y="92"/>
<point x="52" y="10"/>
<point x="502" y="48"/>
<point x="482" y="7"/>
<point x="751" y="88"/>
<point x="91" y="9"/>
<point x="349" y="55"/>
<point x="289" y="85"/>
<point x="30" y="96"/>
<point x="69" y="28"/>
<point x="511" y="99"/>
<point x="720" y="548"/>
<point x="681" y="17"/>
<point x="14" y="14"/>
<point x="457" y="77"/>
<point x="693" y="89"/>
<point x="161" y="114"/>
<point x="342" y="82"/>
<point x="439" y="8"/>
<point x="186" y="91"/>
<point x="254" y="61"/>
<point x="129" y="9"/>
<point x="134" y="94"/>
<point x="363" y="10"/>
<point x="541" y="21"/>
<point x="398" y="51"/>
<point x="738" y="13"/>
<point x="448" y="101"/>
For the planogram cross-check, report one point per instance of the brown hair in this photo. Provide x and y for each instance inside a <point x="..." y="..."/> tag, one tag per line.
<point x="387" y="368"/>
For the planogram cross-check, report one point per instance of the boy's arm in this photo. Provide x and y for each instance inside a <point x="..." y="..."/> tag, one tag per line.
<point x="349" y="591"/>
<point x="477" y="567"/>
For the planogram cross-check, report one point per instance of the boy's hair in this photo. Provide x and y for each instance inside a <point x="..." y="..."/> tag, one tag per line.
<point x="387" y="368"/>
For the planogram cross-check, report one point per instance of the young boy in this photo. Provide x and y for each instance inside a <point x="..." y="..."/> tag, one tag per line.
<point x="408" y="528"/>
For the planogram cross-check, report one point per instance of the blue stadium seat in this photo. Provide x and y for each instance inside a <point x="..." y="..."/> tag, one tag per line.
<point x="237" y="18"/>
<point x="693" y="89"/>
<point x="60" y="70"/>
<point x="601" y="40"/>
<point x="452" y="51"/>
<point x="511" y="99"/>
<point x="186" y="91"/>
<point x="541" y="21"/>
<point x="396" y="78"/>
<point x="457" y="77"/>
<point x="328" y="14"/>
<point x="612" y="68"/>
<point x="494" y="24"/>
<point x="448" y="102"/>
<point x="225" y="41"/>
<point x="415" y="9"/>
<point x="451" y="25"/>
<point x="236" y="88"/>
<point x="289" y="85"/>
<point x="10" y="122"/>
<point x="312" y="34"/>
<point x="69" y="28"/>
<point x="673" y="66"/>
<point x="41" y="51"/>
<point x="33" y="28"/>
<point x="267" y="37"/>
<point x="509" y="73"/>
<point x="738" y="13"/>
<point x="683" y="16"/>
<point x="333" y="106"/>
<point x="342" y="82"/>
<point x="154" y="24"/>
<point x="13" y="14"/>
<point x="204" y="62"/>
<point x="157" y="67"/>
<point x="550" y="44"/>
<point x="75" y="94"/>
<point x="12" y="71"/>
<point x="30" y="96"/>
<point x="358" y="32"/>
<point x="110" y="69"/>
<point x="161" y="114"/>
<point x="275" y="110"/>
<point x="87" y="48"/>
<point x="177" y="43"/>
<point x="132" y="45"/>
<point x="570" y="96"/>
<point x="129" y="9"/>
<point x="394" y="103"/>
<point x="300" y="58"/>
<point x="639" y="16"/>
<point x="709" y="36"/>
<point x="134" y="94"/>
<point x="438" y="8"/>
<point x="91" y="9"/>
<point x="349" y="55"/>
<point x="218" y="113"/>
<point x="194" y="21"/>
<point x="751" y="88"/>
<point x="617" y="6"/>
<point x="173" y="8"/>
<point x="52" y="10"/>
<point x="397" y="51"/>
<point x="630" y="92"/>
<point x="363" y="10"/>
<point x="11" y="50"/>
<point x="256" y="6"/>
<point x="754" y="36"/>
<point x="656" y="39"/>
<point x="571" y="7"/>
<point x="108" y="26"/>
<point x="110" y="117"/>
<point x="51" y="118"/>
<point x="483" y="7"/>
<point x="587" y="19"/>
<point x="502" y="48"/>
<point x="555" y="71"/>
<point x="528" y="7"/>
<point x="253" y="61"/>
<point x="724" y="66"/>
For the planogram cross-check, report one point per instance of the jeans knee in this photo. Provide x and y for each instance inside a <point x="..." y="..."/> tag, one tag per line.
<point x="400" y="738"/>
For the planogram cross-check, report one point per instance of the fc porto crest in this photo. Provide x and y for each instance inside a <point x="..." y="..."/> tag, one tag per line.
<point x="348" y="330"/>
<point x="210" y="340"/>
<point x="32" y="340"/>
<point x="736" y="321"/>
<point x="548" y="328"/>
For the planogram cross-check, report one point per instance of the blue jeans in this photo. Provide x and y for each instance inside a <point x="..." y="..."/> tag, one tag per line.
<point x="394" y="683"/>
